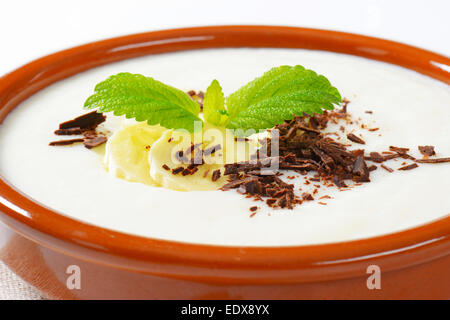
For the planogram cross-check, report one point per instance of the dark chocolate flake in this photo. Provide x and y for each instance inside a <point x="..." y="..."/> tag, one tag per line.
<point x="355" y="138"/>
<point x="376" y="157"/>
<point x="65" y="142"/>
<point x="87" y="121"/>
<point x="177" y="170"/>
<point x="345" y="102"/>
<point x="360" y="170"/>
<point x="398" y="149"/>
<point x="236" y="183"/>
<point x="215" y="175"/>
<point x="307" y="196"/>
<point x="94" y="141"/>
<point x="69" y="131"/>
<point x="409" y="167"/>
<point x="435" y="160"/>
<point x="427" y="150"/>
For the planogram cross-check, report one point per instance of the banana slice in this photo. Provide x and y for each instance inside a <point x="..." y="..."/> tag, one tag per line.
<point x="126" y="152"/>
<point x="164" y="156"/>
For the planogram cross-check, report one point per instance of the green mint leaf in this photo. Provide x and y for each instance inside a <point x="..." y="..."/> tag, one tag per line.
<point x="214" y="105"/>
<point x="278" y="95"/>
<point x="145" y="99"/>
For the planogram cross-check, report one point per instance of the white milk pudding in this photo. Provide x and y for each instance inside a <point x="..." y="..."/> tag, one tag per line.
<point x="389" y="106"/>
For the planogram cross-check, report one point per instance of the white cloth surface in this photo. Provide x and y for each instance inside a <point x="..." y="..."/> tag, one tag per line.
<point x="14" y="288"/>
<point x="49" y="25"/>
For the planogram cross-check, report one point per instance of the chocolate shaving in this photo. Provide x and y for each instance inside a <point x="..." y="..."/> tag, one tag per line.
<point x="391" y="156"/>
<point x="94" y="141"/>
<point x="307" y="196"/>
<point x="345" y="102"/>
<point x="236" y="183"/>
<point x="355" y="138"/>
<point x="387" y="168"/>
<point x="409" y="167"/>
<point x="177" y="170"/>
<point x="398" y="149"/>
<point x="193" y="170"/>
<point x="87" y="121"/>
<point x="376" y="157"/>
<point x="435" y="160"/>
<point x="69" y="131"/>
<point x="247" y="166"/>
<point x="427" y="150"/>
<point x="339" y="182"/>
<point x="189" y="170"/>
<point x="186" y="172"/>
<point x="215" y="175"/>
<point x="86" y="125"/>
<point x="402" y="152"/>
<point x="360" y="170"/>
<point x="65" y="142"/>
<point x="308" y="129"/>
<point x="254" y="187"/>
<point x="165" y="167"/>
<point x="280" y="192"/>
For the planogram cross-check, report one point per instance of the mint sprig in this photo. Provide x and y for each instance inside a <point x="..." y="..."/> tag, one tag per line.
<point x="145" y="99"/>
<point x="279" y="94"/>
<point x="276" y="96"/>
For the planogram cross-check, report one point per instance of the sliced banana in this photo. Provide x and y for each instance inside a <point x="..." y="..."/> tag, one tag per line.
<point x="162" y="159"/>
<point x="126" y="152"/>
<point x="164" y="156"/>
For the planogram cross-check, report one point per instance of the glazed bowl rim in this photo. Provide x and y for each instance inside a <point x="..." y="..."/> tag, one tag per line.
<point x="187" y="260"/>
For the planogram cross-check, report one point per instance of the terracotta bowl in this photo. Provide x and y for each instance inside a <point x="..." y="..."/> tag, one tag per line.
<point x="39" y="244"/>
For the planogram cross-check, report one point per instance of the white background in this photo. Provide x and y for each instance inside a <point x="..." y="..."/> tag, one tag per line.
<point x="30" y="29"/>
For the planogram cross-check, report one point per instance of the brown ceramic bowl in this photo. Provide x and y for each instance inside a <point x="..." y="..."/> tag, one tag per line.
<point x="39" y="244"/>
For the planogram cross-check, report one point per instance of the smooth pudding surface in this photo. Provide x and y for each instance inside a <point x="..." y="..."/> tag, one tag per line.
<point x="409" y="110"/>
